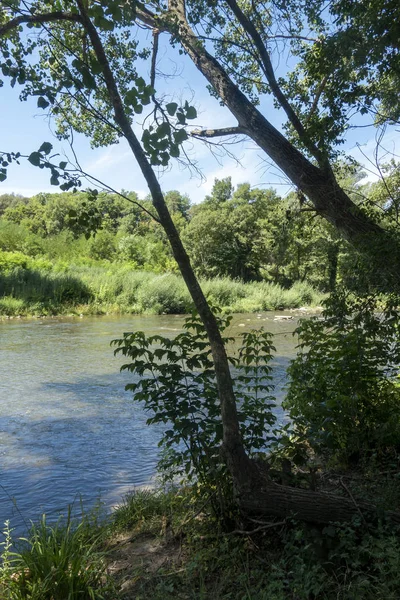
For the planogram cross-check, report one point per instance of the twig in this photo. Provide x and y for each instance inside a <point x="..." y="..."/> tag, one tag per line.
<point x="261" y="528"/>
<point x="342" y="483"/>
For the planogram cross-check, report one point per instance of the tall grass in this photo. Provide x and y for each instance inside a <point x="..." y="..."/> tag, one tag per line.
<point x="34" y="286"/>
<point x="58" y="562"/>
<point x="40" y="292"/>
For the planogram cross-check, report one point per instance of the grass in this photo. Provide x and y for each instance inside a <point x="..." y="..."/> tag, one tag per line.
<point x="167" y="545"/>
<point x="190" y="556"/>
<point x="55" y="562"/>
<point x="36" y="287"/>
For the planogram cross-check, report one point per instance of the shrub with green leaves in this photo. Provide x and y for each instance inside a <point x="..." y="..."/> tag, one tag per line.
<point x="12" y="260"/>
<point x="343" y="392"/>
<point x="176" y="382"/>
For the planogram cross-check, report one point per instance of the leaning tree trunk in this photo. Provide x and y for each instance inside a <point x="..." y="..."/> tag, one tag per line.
<point x="317" y="183"/>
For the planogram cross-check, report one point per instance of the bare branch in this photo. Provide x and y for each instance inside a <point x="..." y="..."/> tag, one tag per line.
<point x="302" y="38"/>
<point x="156" y="33"/>
<point x="145" y="16"/>
<point x="257" y="529"/>
<point x="316" y="98"/>
<point x="210" y="133"/>
<point x="266" y="65"/>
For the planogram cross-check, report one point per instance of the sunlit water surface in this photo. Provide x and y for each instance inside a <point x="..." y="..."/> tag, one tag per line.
<point x="68" y="429"/>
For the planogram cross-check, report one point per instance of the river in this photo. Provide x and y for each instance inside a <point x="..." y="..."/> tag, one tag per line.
<point x="68" y="429"/>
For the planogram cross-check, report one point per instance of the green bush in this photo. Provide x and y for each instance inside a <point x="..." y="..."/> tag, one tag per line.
<point x="163" y="294"/>
<point x="17" y="260"/>
<point x="300" y="294"/>
<point x="12" y="260"/>
<point x="103" y="246"/>
<point x="223" y="291"/>
<point x="343" y="392"/>
<point x="12" y="306"/>
<point x="12" y="236"/>
<point x="176" y="382"/>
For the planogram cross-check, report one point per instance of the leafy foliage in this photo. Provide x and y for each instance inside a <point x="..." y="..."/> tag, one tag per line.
<point x="343" y="392"/>
<point x="176" y="382"/>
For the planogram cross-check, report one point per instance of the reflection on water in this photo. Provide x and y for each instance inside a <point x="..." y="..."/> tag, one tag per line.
<point x="67" y="427"/>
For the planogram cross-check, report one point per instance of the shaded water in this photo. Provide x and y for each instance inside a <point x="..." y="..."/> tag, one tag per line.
<point x="67" y="427"/>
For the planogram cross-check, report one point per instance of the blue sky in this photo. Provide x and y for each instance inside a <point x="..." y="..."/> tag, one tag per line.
<point x="24" y="127"/>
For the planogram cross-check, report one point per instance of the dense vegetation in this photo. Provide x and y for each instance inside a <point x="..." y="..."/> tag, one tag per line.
<point x="268" y="254"/>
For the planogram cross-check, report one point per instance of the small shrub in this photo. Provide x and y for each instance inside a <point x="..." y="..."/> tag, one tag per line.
<point x="163" y="294"/>
<point x="176" y="382"/>
<point x="223" y="291"/>
<point x="13" y="260"/>
<point x="343" y="391"/>
<point x="273" y="296"/>
<point x="12" y="306"/>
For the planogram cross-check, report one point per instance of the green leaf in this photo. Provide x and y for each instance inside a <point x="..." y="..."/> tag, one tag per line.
<point x="131" y="97"/>
<point x="181" y="117"/>
<point x="180" y="136"/>
<point x="45" y="148"/>
<point x="191" y="112"/>
<point x="164" y="129"/>
<point x="171" y="108"/>
<point x="105" y="24"/>
<point x="42" y="102"/>
<point x="34" y="159"/>
<point x="88" y="79"/>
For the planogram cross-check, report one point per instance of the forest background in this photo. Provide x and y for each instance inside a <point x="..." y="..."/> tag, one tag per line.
<point x="253" y="249"/>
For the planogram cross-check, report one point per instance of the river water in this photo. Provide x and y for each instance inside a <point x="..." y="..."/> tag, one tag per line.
<point x="68" y="429"/>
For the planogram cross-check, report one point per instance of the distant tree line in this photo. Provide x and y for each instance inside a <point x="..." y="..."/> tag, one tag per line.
<point x="245" y="233"/>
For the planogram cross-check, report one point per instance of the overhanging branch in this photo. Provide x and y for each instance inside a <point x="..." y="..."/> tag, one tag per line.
<point x="38" y="19"/>
<point x="223" y="131"/>
<point x="266" y="65"/>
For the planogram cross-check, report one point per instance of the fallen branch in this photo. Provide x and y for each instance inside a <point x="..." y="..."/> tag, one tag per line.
<point x="260" y="528"/>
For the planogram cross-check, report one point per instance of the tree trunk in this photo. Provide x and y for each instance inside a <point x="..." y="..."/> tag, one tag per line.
<point x="238" y="462"/>
<point x="269" y="498"/>
<point x="254" y="492"/>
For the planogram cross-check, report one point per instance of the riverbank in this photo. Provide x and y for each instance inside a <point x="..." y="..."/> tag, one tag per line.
<point x="27" y="290"/>
<point x="169" y="546"/>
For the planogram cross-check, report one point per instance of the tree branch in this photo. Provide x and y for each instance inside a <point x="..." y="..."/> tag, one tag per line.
<point x="210" y="133"/>
<point x="320" y="89"/>
<point x="149" y="19"/>
<point x="268" y="70"/>
<point x="156" y="33"/>
<point x="40" y="18"/>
